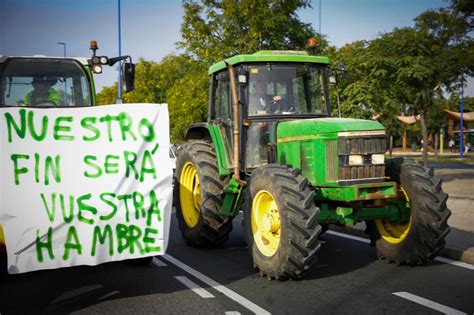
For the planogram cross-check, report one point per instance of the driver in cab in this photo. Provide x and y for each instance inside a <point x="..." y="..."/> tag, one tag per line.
<point x="263" y="103"/>
<point x="43" y="93"/>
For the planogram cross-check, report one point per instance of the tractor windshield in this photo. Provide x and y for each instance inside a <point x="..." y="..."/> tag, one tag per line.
<point x="44" y="82"/>
<point x="287" y="89"/>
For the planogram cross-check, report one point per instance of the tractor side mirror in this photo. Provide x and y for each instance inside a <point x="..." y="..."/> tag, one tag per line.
<point x="128" y="72"/>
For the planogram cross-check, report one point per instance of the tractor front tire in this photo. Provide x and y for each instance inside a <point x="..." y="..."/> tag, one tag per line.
<point x="423" y="236"/>
<point x="281" y="222"/>
<point x="198" y="196"/>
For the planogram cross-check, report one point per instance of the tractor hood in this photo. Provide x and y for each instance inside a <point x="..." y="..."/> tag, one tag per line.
<point x="306" y="129"/>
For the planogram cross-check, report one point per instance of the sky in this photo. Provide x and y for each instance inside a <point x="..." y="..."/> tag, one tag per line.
<point x="151" y="28"/>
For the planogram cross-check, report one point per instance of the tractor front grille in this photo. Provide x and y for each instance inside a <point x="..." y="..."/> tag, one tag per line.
<point x="361" y="172"/>
<point x="331" y="162"/>
<point x="364" y="145"/>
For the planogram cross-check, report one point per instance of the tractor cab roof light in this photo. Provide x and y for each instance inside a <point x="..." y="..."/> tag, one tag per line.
<point x="93" y="47"/>
<point x="311" y="45"/>
<point x="312" y="42"/>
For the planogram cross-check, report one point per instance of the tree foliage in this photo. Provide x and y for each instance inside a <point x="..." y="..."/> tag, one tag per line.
<point x="409" y="71"/>
<point x="213" y="30"/>
<point x="107" y="95"/>
<point x="177" y="80"/>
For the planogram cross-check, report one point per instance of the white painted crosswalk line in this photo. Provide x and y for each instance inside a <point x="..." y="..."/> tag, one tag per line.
<point x="425" y="302"/>
<point x="441" y="259"/>
<point x="356" y="238"/>
<point x="455" y="262"/>
<point x="216" y="286"/>
<point x="194" y="287"/>
<point x="109" y="295"/>
<point x="158" y="262"/>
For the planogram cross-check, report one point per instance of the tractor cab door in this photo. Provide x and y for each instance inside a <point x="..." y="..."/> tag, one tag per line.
<point x="221" y="111"/>
<point x="261" y="131"/>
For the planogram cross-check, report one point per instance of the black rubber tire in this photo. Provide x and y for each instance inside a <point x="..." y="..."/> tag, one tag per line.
<point x="428" y="211"/>
<point x="211" y="229"/>
<point x="298" y="221"/>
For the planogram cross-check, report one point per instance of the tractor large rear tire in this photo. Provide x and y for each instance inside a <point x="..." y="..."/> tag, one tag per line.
<point x="281" y="222"/>
<point x="198" y="196"/>
<point x="419" y="240"/>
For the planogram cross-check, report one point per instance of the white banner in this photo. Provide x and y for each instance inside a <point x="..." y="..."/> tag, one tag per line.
<point x="83" y="186"/>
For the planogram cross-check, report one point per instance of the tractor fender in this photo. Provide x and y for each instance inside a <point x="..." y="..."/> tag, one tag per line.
<point x="211" y="133"/>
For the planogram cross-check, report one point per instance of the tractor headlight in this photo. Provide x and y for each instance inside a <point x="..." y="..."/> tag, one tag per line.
<point x="95" y="60"/>
<point x="356" y="160"/>
<point x="97" y="69"/>
<point x="378" y="158"/>
<point x="104" y="60"/>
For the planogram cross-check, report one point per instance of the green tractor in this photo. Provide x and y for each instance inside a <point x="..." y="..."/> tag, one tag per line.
<point x="66" y="81"/>
<point x="270" y="148"/>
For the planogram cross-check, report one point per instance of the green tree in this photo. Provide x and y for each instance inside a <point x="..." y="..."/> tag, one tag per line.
<point x="408" y="70"/>
<point x="213" y="30"/>
<point x="177" y="80"/>
<point x="187" y="100"/>
<point x="108" y="95"/>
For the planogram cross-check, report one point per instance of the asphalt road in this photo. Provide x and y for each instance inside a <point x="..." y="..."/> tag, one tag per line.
<point x="347" y="279"/>
<point x="452" y="165"/>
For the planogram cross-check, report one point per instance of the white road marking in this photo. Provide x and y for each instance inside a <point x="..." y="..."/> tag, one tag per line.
<point x="216" y="286"/>
<point x="433" y="305"/>
<point x="455" y="262"/>
<point x="441" y="259"/>
<point x="108" y="295"/>
<point x="158" y="262"/>
<point x="228" y="313"/>
<point x="194" y="287"/>
<point x="360" y="239"/>
<point x="76" y="292"/>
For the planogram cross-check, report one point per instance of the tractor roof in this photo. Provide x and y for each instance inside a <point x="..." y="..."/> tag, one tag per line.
<point x="269" y="56"/>
<point x="81" y="60"/>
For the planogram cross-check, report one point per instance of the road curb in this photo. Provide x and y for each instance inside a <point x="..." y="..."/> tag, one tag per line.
<point x="448" y="251"/>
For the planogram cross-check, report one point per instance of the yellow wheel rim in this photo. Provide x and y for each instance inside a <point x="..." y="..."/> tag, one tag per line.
<point x="392" y="232"/>
<point x="190" y="195"/>
<point x="266" y="227"/>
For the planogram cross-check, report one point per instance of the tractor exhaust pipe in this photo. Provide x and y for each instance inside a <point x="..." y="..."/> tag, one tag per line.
<point x="236" y="116"/>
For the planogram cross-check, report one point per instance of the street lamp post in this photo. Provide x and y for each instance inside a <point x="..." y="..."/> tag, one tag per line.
<point x="461" y="127"/>
<point x="65" y="82"/>
<point x="119" y="97"/>
<point x="320" y="17"/>
<point x="64" y="46"/>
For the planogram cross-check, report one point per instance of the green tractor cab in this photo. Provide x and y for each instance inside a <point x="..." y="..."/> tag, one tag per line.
<point x="270" y="148"/>
<point x="40" y="81"/>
